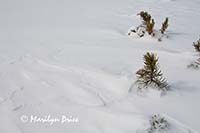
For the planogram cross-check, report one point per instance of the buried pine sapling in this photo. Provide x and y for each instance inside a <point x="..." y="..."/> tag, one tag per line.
<point x="147" y="27"/>
<point x="146" y="17"/>
<point x="147" y="21"/>
<point x="196" y="64"/>
<point x="158" y="124"/>
<point x="197" y="45"/>
<point x="150" y="76"/>
<point x="164" y="26"/>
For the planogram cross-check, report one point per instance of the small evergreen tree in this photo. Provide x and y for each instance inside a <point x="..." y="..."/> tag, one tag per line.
<point x="164" y="25"/>
<point x="197" y="45"/>
<point x="150" y="75"/>
<point x="149" y="26"/>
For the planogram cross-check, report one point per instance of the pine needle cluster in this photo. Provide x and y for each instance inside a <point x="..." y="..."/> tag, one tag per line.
<point x="147" y="21"/>
<point x="158" y="124"/>
<point x="164" y="25"/>
<point x="150" y="75"/>
<point x="145" y="16"/>
<point x="197" y="45"/>
<point x="149" y="26"/>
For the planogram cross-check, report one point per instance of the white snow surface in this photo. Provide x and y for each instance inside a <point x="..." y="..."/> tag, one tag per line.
<point x="74" y="58"/>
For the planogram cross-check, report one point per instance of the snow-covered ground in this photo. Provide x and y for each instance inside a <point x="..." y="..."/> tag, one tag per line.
<point x="73" y="58"/>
